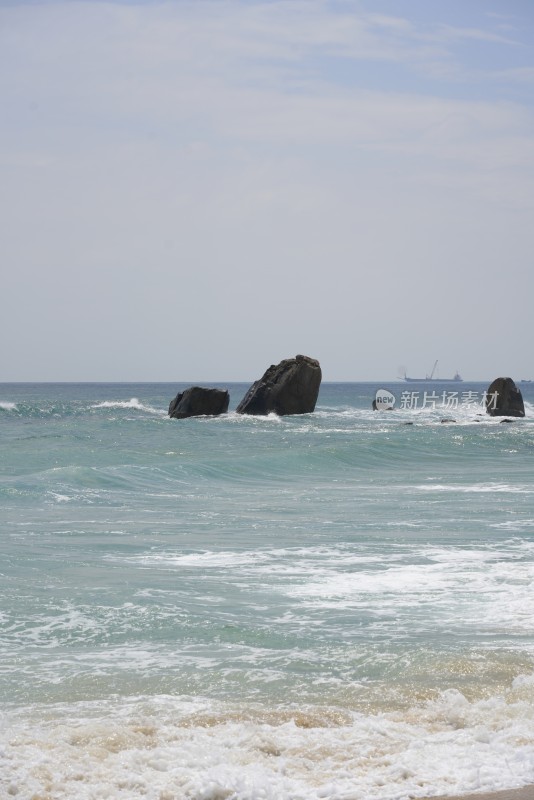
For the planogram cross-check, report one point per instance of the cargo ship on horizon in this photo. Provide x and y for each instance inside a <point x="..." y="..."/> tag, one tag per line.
<point x="457" y="378"/>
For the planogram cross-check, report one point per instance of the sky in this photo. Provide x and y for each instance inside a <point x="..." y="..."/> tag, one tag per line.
<point x="194" y="190"/>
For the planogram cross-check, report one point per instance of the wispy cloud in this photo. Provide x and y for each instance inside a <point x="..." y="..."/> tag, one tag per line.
<point x="174" y="60"/>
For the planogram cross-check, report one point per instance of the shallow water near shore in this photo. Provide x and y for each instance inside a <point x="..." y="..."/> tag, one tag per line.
<point x="332" y="605"/>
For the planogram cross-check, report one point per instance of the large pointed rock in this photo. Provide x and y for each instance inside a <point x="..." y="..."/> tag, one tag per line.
<point x="290" y="387"/>
<point x="503" y="399"/>
<point x="198" y="401"/>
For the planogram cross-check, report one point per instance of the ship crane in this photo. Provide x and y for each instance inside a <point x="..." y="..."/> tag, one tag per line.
<point x="431" y="376"/>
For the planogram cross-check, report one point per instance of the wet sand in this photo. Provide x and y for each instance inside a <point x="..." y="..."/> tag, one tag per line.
<point x="527" y="793"/>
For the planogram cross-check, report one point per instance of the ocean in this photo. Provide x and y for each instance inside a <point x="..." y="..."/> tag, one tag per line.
<point x="337" y="605"/>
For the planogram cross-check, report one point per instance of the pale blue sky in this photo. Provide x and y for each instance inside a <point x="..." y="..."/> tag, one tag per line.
<point x="195" y="190"/>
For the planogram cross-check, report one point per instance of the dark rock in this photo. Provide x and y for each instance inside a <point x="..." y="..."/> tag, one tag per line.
<point x="290" y="387"/>
<point x="447" y="419"/>
<point x="506" y="420"/>
<point x="503" y="399"/>
<point x="198" y="401"/>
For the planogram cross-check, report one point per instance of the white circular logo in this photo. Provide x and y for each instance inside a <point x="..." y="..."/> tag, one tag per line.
<point x="384" y="400"/>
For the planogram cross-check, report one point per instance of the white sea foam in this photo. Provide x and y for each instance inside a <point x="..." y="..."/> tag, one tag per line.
<point x="514" y="524"/>
<point x="477" y="488"/>
<point x="484" y="589"/>
<point x="165" y="747"/>
<point x="6" y="406"/>
<point x="273" y="417"/>
<point x="59" y="498"/>
<point x="480" y="588"/>
<point x="285" y="559"/>
<point x="203" y="560"/>
<point x="133" y="403"/>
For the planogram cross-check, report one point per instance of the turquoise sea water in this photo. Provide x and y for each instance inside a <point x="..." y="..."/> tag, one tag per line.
<point x="333" y="605"/>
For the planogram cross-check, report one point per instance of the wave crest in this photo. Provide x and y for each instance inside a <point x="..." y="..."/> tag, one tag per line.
<point x="133" y="403"/>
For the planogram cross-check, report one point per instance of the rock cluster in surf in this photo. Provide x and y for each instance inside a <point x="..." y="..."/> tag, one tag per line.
<point x="290" y="387"/>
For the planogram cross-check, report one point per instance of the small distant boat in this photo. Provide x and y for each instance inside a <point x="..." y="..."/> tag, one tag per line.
<point x="457" y="378"/>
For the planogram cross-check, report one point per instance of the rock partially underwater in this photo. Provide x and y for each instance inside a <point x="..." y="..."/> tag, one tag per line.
<point x="199" y="401"/>
<point x="290" y="387"/>
<point x="503" y="399"/>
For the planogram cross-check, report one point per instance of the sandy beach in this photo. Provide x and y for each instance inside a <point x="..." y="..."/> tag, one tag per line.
<point x="526" y="793"/>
